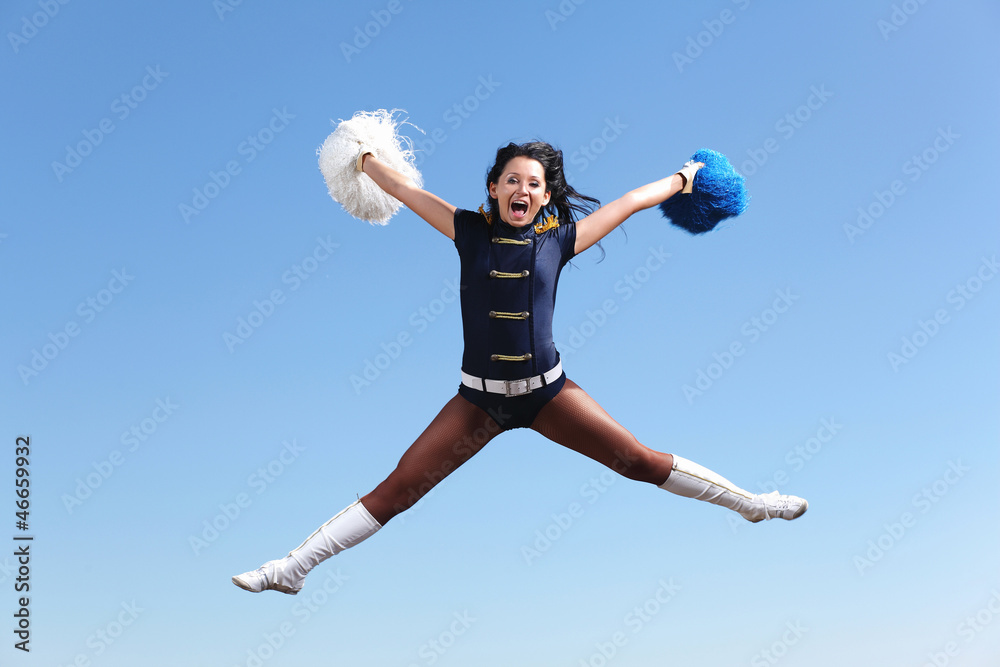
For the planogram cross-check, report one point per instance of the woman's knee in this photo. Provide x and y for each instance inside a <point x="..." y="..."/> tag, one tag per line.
<point x="642" y="464"/>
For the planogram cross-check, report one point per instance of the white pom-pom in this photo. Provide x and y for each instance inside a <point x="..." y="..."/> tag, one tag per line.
<point x="354" y="190"/>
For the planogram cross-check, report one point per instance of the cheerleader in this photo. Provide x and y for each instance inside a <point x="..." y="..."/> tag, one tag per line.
<point x="511" y="252"/>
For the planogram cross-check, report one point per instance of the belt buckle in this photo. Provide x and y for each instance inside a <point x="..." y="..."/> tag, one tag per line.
<point x="517" y="387"/>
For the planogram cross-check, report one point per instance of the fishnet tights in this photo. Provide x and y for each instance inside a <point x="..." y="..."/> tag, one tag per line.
<point x="575" y="420"/>
<point x="572" y="419"/>
<point x="455" y="435"/>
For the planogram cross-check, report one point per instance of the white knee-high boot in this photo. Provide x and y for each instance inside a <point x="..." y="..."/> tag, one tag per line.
<point x="691" y="480"/>
<point x="352" y="526"/>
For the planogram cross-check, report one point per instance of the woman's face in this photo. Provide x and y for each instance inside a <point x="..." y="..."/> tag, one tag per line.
<point x="520" y="191"/>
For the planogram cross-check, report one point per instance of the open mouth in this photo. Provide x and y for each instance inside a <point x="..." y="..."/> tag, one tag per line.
<point x="518" y="210"/>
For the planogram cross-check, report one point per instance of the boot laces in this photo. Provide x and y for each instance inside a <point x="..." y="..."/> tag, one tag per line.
<point x="774" y="503"/>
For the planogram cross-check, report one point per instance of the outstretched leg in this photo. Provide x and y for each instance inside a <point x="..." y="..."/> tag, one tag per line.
<point x="575" y="420"/>
<point x="458" y="432"/>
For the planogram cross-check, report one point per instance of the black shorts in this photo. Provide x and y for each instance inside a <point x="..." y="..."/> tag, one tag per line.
<point x="510" y="412"/>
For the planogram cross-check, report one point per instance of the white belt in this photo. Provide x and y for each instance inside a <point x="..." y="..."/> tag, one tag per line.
<point x="512" y="387"/>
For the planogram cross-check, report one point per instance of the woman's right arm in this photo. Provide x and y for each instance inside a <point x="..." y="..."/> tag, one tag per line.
<point x="439" y="213"/>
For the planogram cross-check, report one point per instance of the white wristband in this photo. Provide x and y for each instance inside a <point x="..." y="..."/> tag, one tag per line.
<point x="362" y="152"/>
<point x="687" y="172"/>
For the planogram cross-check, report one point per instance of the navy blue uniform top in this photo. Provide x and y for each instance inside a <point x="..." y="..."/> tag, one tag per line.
<point x="508" y="279"/>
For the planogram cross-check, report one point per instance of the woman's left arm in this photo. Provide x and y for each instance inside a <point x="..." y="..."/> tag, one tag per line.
<point x="599" y="224"/>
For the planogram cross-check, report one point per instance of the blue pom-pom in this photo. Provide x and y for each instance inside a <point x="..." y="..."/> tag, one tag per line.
<point x="719" y="192"/>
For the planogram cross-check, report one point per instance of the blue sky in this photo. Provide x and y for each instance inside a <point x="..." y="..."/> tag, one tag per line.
<point x="859" y="290"/>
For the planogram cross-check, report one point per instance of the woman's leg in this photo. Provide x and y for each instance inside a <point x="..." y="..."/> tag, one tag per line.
<point x="575" y="420"/>
<point x="458" y="432"/>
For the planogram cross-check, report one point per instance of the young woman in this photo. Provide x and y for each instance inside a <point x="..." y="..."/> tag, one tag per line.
<point x="511" y="256"/>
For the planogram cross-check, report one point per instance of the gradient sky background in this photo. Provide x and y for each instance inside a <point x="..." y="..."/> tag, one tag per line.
<point x="832" y="110"/>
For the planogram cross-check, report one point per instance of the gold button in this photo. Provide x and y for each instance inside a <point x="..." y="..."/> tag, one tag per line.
<point x="493" y="274"/>
<point x="493" y="313"/>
